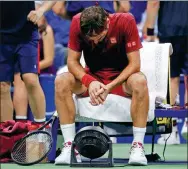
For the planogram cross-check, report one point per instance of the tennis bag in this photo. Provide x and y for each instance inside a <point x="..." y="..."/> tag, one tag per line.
<point x="10" y="132"/>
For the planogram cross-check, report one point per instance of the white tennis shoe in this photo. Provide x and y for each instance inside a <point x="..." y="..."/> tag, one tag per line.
<point x="170" y="139"/>
<point x="65" y="156"/>
<point x="184" y="131"/>
<point x="137" y="155"/>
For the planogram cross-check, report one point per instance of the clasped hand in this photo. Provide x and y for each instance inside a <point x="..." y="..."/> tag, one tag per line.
<point x="35" y="15"/>
<point x="98" y="92"/>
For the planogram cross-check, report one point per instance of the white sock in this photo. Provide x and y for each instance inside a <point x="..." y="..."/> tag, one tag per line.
<point x="21" y="117"/>
<point x="40" y="120"/>
<point x="139" y="134"/>
<point x="68" y="131"/>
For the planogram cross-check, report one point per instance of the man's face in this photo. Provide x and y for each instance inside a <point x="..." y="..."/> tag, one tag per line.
<point x="98" y="37"/>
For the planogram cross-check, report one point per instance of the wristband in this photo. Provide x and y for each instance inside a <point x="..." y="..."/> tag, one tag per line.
<point x="150" y="31"/>
<point x="87" y="79"/>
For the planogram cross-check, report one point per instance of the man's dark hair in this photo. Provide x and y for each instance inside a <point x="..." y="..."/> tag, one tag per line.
<point x="93" y="19"/>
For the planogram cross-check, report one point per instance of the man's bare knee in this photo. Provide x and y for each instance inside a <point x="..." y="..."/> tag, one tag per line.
<point x="139" y="84"/>
<point x="5" y="87"/>
<point x="64" y="83"/>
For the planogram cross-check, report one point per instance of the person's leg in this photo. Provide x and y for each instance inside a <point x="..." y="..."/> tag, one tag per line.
<point x="20" y="98"/>
<point x="65" y="86"/>
<point x="174" y="90"/>
<point x="6" y="107"/>
<point x="36" y="96"/>
<point x="137" y="86"/>
<point x="6" y="76"/>
<point x="177" y="64"/>
<point x="174" y="66"/>
<point x="28" y="64"/>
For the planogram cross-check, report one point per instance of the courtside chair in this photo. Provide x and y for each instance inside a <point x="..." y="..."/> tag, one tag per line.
<point x="116" y="109"/>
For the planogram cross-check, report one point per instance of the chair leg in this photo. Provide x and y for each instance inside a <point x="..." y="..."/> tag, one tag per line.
<point x="52" y="155"/>
<point x="153" y="157"/>
<point x="154" y="123"/>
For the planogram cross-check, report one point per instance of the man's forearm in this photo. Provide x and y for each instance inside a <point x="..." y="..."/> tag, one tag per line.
<point x="76" y="69"/>
<point x="128" y="71"/>
<point x="47" y="5"/>
<point x="60" y="9"/>
<point x="124" y="6"/>
<point x="152" y="12"/>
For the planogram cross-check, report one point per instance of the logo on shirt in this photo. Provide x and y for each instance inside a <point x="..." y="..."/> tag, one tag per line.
<point x="131" y="44"/>
<point x="113" y="40"/>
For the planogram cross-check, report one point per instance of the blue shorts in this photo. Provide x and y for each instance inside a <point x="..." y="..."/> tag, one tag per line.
<point x="19" y="57"/>
<point x="179" y="58"/>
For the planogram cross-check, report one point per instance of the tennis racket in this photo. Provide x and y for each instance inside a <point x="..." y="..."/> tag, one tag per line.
<point x="35" y="146"/>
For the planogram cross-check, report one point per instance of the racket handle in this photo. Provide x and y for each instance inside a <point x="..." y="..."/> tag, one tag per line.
<point x="55" y="114"/>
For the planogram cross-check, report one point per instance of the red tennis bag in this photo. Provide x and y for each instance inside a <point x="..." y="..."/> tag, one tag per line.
<point x="10" y="132"/>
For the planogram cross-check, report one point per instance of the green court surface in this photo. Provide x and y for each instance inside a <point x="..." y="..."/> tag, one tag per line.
<point x="174" y="153"/>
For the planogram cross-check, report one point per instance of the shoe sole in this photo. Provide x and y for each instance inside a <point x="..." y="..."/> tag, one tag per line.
<point x="64" y="164"/>
<point x="135" y="163"/>
<point x="78" y="161"/>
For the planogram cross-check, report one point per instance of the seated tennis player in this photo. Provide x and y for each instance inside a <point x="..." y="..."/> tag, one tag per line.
<point x="110" y="43"/>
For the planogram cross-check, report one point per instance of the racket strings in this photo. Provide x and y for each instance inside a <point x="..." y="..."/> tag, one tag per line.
<point x="32" y="148"/>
